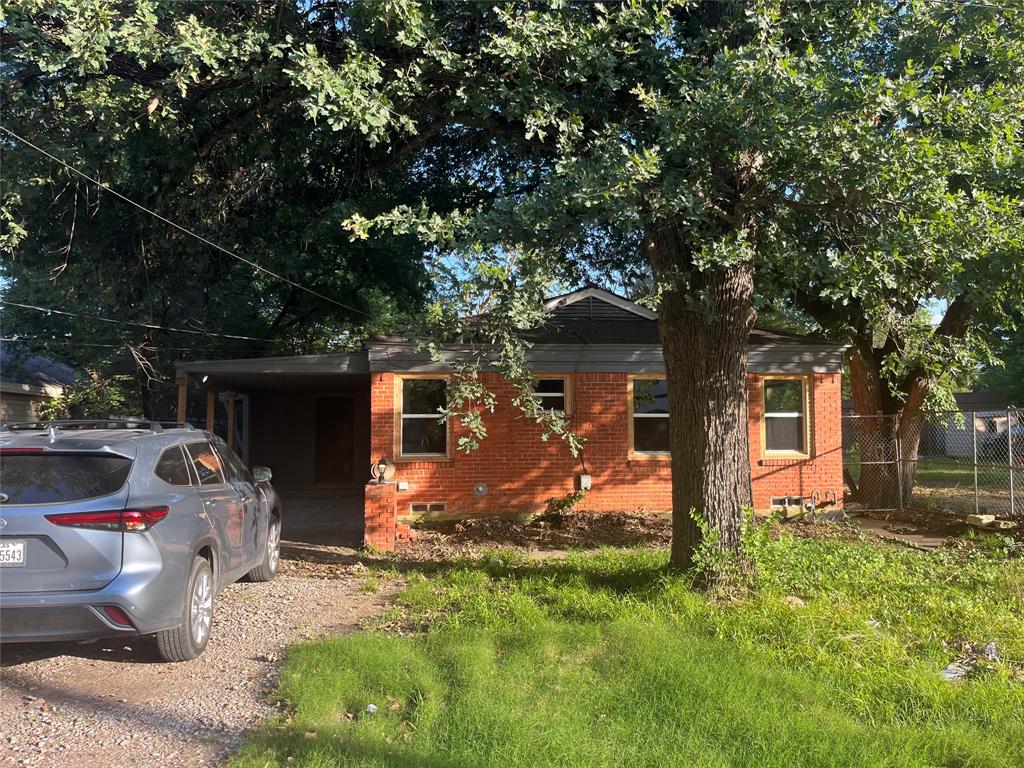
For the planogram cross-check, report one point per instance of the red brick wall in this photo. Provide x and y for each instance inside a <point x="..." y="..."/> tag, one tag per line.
<point x="379" y="523"/>
<point x="522" y="473"/>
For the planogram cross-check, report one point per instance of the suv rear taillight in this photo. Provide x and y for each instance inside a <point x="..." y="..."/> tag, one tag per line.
<point x="115" y="520"/>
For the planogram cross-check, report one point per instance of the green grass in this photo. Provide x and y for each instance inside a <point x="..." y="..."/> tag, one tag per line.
<point x="951" y="473"/>
<point x="611" y="660"/>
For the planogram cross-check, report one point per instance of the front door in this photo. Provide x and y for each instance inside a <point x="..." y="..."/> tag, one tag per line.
<point x="334" y="416"/>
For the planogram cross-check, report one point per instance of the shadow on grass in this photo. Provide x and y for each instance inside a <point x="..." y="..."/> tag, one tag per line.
<point x="302" y="751"/>
<point x="625" y="574"/>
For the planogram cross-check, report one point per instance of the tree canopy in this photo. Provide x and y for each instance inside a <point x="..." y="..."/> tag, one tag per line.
<point x="849" y="160"/>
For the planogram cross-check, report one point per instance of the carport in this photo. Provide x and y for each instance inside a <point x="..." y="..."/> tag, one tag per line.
<point x="305" y="417"/>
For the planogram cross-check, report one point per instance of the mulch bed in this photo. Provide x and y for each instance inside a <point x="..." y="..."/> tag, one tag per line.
<point x="552" y="534"/>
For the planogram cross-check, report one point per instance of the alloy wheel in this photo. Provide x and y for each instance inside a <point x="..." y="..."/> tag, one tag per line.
<point x="274" y="546"/>
<point x="201" y="610"/>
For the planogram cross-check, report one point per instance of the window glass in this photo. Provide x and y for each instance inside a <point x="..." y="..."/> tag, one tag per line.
<point x="236" y="471"/>
<point x="207" y="464"/>
<point x="551" y="393"/>
<point x="56" y="478"/>
<point x="423" y="396"/>
<point x="650" y="396"/>
<point x="650" y="416"/>
<point x="172" y="467"/>
<point x="785" y="425"/>
<point x="424" y="433"/>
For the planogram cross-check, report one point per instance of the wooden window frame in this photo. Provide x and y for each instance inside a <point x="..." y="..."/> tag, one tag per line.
<point x="566" y="380"/>
<point x="807" y="380"/>
<point x="635" y="455"/>
<point x="400" y="379"/>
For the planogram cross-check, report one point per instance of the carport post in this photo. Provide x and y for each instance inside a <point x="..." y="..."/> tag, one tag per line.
<point x="182" y="400"/>
<point x="211" y="405"/>
<point x="231" y="417"/>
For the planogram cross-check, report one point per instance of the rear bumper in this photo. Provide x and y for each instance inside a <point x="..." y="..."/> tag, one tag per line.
<point x="56" y="622"/>
<point x="142" y="595"/>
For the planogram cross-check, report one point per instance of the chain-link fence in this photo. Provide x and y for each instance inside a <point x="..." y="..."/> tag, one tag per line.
<point x="871" y="461"/>
<point x="960" y="461"/>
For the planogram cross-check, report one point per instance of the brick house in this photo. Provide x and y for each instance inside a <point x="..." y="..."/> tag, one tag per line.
<point x="319" y="421"/>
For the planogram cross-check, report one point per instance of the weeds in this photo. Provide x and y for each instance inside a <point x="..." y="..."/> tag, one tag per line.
<point x="831" y="656"/>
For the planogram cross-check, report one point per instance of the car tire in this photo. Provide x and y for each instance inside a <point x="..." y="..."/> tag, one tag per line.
<point x="189" y="640"/>
<point x="267" y="568"/>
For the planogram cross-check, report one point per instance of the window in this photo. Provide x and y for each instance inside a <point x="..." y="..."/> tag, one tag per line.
<point x="650" y="416"/>
<point x="423" y="431"/>
<point x="60" y="477"/>
<point x="206" y="463"/>
<point x="236" y="471"/>
<point x="552" y="393"/>
<point x="173" y="467"/>
<point x="785" y="416"/>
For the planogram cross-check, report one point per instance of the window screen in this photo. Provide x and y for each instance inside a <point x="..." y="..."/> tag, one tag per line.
<point x="551" y="393"/>
<point x="785" y="422"/>
<point x="650" y="416"/>
<point x="424" y="433"/>
<point x="172" y="467"/>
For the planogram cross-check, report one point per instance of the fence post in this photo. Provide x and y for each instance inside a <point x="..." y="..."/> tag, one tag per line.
<point x="1009" y="457"/>
<point x="974" y="458"/>
<point x="897" y="422"/>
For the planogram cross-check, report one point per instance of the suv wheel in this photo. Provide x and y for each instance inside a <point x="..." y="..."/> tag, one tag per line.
<point x="189" y="640"/>
<point x="267" y="568"/>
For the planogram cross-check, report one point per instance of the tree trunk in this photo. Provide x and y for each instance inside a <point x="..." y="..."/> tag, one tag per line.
<point x="705" y="350"/>
<point x="876" y="429"/>
<point x="889" y="432"/>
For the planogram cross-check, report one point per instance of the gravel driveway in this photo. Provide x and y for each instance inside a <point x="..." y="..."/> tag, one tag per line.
<point x="114" y="704"/>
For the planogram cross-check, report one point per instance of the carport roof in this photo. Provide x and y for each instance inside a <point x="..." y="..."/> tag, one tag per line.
<point x="256" y="368"/>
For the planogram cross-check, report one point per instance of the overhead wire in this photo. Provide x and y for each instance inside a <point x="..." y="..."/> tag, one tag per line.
<point x="256" y="266"/>
<point x="151" y="326"/>
<point x="41" y="342"/>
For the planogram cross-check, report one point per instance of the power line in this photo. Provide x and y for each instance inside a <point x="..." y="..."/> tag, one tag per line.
<point x="179" y="227"/>
<point x="74" y="342"/>
<point x="151" y="326"/>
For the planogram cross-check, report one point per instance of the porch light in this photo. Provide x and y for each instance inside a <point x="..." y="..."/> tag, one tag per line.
<point x="379" y="469"/>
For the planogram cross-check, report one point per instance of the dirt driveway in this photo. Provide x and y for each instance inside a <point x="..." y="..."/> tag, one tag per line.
<point x="115" y="704"/>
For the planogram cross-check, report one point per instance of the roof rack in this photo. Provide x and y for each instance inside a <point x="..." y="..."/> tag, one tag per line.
<point x="113" y="423"/>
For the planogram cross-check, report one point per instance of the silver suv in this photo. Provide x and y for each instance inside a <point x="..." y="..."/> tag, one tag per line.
<point x="118" y="528"/>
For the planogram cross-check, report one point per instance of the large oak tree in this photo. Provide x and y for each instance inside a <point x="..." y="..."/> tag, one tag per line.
<point x="697" y="153"/>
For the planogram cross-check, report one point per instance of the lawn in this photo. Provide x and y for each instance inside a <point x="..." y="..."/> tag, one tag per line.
<point x="830" y="657"/>
<point x="954" y="474"/>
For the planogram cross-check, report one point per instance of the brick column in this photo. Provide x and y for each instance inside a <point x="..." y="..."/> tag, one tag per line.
<point x="380" y="516"/>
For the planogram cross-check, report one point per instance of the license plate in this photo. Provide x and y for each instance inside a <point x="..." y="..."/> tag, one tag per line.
<point x="12" y="553"/>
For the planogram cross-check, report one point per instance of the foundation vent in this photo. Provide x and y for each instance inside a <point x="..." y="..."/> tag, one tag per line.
<point x="428" y="508"/>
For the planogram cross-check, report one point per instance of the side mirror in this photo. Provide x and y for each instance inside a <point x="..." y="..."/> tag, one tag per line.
<point x="262" y="474"/>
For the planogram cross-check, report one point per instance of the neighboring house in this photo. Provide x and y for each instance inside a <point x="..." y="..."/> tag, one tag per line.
<point x="27" y="381"/>
<point x="320" y="420"/>
<point x="980" y="417"/>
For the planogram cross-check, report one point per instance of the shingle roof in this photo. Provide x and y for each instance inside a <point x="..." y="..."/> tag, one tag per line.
<point x="29" y="368"/>
<point x="595" y="316"/>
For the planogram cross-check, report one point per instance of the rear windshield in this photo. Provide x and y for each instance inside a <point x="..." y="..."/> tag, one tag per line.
<point x="54" y="478"/>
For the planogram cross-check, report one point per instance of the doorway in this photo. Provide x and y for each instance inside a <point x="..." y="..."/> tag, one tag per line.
<point x="334" y="450"/>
